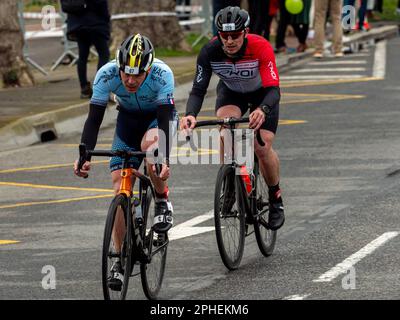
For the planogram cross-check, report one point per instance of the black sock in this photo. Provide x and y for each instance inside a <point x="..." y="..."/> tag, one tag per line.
<point x="274" y="193"/>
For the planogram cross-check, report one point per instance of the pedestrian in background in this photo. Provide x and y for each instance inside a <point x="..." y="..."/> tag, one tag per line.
<point x="262" y="12"/>
<point x="284" y="20"/>
<point x="300" y="23"/>
<point x="335" y="13"/>
<point x="220" y="4"/>
<point x="89" y="24"/>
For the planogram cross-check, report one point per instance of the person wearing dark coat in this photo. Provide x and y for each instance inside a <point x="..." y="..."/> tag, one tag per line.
<point x="90" y="27"/>
<point x="220" y="4"/>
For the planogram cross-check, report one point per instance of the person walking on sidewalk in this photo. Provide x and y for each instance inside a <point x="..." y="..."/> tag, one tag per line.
<point x="335" y="13"/>
<point x="144" y="88"/>
<point x="89" y="25"/>
<point x="245" y="64"/>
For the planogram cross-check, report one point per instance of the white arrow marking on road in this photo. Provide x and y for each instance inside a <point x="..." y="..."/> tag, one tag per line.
<point x="187" y="229"/>
<point x="345" y="265"/>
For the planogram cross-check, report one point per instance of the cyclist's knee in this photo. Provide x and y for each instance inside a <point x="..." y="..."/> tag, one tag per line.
<point x="149" y="140"/>
<point x="268" y="138"/>
<point x="229" y="111"/>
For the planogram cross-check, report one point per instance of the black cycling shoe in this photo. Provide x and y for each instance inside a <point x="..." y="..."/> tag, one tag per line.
<point x="117" y="277"/>
<point x="163" y="216"/>
<point x="276" y="217"/>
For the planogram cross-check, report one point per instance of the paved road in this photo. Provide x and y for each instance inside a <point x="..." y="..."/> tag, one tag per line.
<point x="339" y="148"/>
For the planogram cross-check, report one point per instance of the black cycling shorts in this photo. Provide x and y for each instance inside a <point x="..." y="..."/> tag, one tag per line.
<point x="246" y="101"/>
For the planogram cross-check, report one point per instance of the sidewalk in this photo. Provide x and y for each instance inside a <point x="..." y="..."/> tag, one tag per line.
<point x="53" y="108"/>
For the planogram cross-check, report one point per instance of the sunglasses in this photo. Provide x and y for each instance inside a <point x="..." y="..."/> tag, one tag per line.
<point x="233" y="35"/>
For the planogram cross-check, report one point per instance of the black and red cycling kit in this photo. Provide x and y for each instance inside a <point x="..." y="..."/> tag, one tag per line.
<point x="249" y="78"/>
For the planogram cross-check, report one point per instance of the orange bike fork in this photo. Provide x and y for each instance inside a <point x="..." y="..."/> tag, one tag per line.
<point x="126" y="182"/>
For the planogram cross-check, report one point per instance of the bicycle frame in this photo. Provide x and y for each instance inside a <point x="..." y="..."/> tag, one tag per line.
<point x="126" y="188"/>
<point x="246" y="202"/>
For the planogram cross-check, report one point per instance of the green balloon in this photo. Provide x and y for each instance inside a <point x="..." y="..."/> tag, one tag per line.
<point x="294" y="6"/>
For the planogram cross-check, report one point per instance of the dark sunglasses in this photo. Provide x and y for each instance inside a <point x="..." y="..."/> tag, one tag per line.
<point x="233" y="35"/>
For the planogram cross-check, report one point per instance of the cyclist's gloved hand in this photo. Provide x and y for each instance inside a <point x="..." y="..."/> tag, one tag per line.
<point x="256" y="119"/>
<point x="84" y="172"/>
<point x="165" y="171"/>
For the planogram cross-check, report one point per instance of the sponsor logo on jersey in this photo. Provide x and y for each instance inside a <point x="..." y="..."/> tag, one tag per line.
<point x="271" y="69"/>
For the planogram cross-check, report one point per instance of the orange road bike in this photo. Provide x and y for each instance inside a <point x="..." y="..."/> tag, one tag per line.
<point x="141" y="246"/>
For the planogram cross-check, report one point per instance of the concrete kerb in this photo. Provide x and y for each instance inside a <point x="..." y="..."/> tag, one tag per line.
<point x="70" y="120"/>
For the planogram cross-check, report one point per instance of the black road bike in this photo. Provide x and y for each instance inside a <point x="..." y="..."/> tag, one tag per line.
<point x="236" y="209"/>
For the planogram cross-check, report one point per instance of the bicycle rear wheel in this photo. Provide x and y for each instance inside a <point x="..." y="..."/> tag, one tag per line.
<point x="155" y="245"/>
<point x="117" y="213"/>
<point x="266" y="237"/>
<point x="229" y="220"/>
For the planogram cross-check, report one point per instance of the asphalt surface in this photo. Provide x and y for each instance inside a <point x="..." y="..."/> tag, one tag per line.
<point x="339" y="148"/>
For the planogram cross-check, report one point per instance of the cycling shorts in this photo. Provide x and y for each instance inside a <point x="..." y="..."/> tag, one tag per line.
<point x="246" y="101"/>
<point x="129" y="132"/>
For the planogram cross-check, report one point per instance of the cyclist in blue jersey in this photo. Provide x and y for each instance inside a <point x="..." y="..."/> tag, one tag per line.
<point x="144" y="88"/>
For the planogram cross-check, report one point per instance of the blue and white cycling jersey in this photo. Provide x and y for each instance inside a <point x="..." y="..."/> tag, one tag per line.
<point x="156" y="90"/>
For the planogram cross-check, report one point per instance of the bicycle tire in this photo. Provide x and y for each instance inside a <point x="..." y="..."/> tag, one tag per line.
<point x="107" y="256"/>
<point x="231" y="247"/>
<point x="155" y="245"/>
<point x="266" y="238"/>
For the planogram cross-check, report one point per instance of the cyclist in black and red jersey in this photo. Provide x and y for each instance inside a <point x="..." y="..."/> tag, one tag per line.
<point x="245" y="64"/>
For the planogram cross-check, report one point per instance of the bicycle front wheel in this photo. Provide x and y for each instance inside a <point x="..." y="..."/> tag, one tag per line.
<point x="229" y="219"/>
<point x="265" y="237"/>
<point x="155" y="246"/>
<point x="117" y="246"/>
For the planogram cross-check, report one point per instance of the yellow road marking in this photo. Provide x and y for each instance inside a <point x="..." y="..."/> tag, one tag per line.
<point x="26" y="204"/>
<point x="325" y="99"/>
<point x="49" y="166"/>
<point x="8" y="242"/>
<point x="40" y="186"/>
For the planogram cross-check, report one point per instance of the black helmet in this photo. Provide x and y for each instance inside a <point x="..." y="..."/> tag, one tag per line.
<point x="232" y="19"/>
<point x="135" y="55"/>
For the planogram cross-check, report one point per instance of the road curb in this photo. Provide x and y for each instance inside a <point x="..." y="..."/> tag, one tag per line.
<point x="70" y="120"/>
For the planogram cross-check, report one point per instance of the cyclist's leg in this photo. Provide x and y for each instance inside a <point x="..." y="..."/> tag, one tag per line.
<point x="269" y="167"/>
<point x="127" y="136"/>
<point x="163" y="208"/>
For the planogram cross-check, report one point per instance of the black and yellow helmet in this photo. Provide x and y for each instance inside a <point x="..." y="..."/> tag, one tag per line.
<point x="135" y="55"/>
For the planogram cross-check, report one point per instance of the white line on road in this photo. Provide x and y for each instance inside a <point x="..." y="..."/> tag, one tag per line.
<point x="296" y="297"/>
<point x="346" y="264"/>
<point x="327" y="63"/>
<point x="187" y="228"/>
<point x="333" y="69"/>
<point x="380" y="60"/>
<point x="323" y="77"/>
